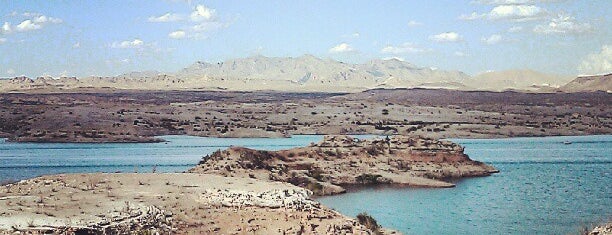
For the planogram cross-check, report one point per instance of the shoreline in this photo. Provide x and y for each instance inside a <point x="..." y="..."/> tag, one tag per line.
<point x="165" y="203"/>
<point x="438" y="114"/>
<point x="160" y="139"/>
<point x="119" y="202"/>
<point x="349" y="190"/>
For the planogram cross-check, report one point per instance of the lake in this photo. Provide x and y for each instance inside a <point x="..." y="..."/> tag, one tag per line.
<point x="544" y="187"/>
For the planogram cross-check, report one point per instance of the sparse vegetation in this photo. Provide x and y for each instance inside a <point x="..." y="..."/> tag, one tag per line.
<point x="368" y="179"/>
<point x="369" y="222"/>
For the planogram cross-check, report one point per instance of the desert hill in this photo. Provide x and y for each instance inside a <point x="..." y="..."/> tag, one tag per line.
<point x="306" y="73"/>
<point x="516" y="80"/>
<point x="589" y="83"/>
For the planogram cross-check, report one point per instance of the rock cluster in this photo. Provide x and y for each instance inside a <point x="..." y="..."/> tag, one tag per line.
<point x="605" y="229"/>
<point x="287" y="198"/>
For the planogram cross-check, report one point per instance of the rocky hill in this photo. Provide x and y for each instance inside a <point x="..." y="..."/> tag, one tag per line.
<point x="516" y="80"/>
<point x="305" y="73"/>
<point x="590" y="83"/>
<point x="343" y="160"/>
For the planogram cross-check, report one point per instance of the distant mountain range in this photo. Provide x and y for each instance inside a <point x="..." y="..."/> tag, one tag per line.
<point x="304" y="73"/>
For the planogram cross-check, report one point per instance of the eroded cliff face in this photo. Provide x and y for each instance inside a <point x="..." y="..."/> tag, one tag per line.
<point x="343" y="160"/>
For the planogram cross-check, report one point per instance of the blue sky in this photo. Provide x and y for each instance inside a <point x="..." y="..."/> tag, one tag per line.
<point x="82" y="38"/>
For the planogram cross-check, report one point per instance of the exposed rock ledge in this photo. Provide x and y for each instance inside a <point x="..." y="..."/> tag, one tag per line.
<point x="165" y="204"/>
<point x="343" y="160"/>
<point x="605" y="229"/>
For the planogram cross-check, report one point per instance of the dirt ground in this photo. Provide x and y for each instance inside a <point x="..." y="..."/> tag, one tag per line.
<point x="139" y="116"/>
<point x="178" y="203"/>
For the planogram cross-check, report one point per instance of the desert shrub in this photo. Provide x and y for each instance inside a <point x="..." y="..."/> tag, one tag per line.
<point x="369" y="222"/>
<point x="367" y="178"/>
<point x="316" y="173"/>
<point x="256" y="159"/>
<point x="374" y="149"/>
<point x="214" y="156"/>
<point x="329" y="153"/>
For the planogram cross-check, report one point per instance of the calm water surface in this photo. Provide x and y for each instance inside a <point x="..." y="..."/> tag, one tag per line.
<point x="25" y="160"/>
<point x="545" y="186"/>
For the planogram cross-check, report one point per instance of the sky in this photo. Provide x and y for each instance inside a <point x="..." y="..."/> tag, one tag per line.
<point x="107" y="38"/>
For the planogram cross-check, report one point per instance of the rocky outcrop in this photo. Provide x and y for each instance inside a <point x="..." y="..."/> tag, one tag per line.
<point x="605" y="229"/>
<point x="343" y="160"/>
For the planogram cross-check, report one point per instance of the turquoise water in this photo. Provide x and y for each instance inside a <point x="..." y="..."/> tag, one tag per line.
<point x="26" y="160"/>
<point x="544" y="187"/>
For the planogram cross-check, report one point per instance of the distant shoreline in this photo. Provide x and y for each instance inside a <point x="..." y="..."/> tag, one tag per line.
<point x="140" y="116"/>
<point x="160" y="139"/>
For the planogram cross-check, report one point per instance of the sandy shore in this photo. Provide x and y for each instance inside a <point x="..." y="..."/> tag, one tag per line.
<point x="181" y="203"/>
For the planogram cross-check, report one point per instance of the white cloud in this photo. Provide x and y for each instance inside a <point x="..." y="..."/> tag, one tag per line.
<point x="447" y="37"/>
<point x="168" y="17"/>
<point x="563" y="24"/>
<point x="10" y="71"/>
<point x="37" y="22"/>
<point x="341" y="48"/>
<point x="179" y="34"/>
<point x="413" y="23"/>
<point x="76" y="45"/>
<point x="516" y="12"/>
<point x="509" y="12"/>
<point x="515" y="29"/>
<point x="42" y="19"/>
<point x="598" y="63"/>
<point x="28" y="25"/>
<point x="492" y="40"/>
<point x="6" y="28"/>
<point x="402" y="49"/>
<point x="2" y="40"/>
<point x="202" y="13"/>
<point x="136" y="43"/>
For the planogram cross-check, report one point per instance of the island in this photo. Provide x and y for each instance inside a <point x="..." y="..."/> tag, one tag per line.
<point x="234" y="191"/>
